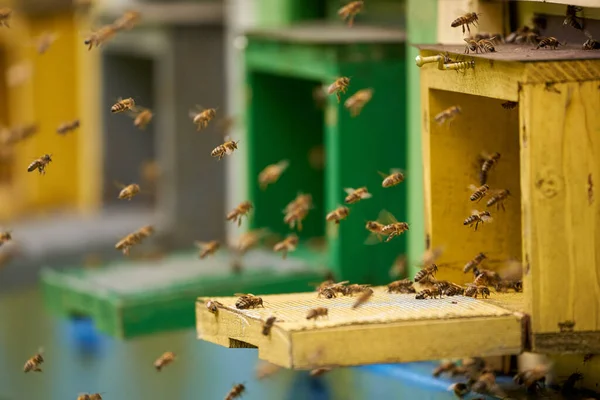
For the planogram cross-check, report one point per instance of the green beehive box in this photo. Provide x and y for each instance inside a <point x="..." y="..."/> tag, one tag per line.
<point x="283" y="67"/>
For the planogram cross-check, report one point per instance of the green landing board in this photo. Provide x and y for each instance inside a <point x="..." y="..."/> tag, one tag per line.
<point x="133" y="298"/>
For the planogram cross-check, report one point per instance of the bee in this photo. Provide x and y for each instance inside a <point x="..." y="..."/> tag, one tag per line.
<point x="350" y="290"/>
<point x="237" y="213"/>
<point x="358" y="100"/>
<point x="402" y="286"/>
<point x="142" y="118"/>
<point x="394" y="178"/>
<point x="265" y="369"/>
<point x="235" y="392"/>
<point x="471" y="18"/>
<point x="207" y="248"/>
<point x="443" y="367"/>
<point x="339" y="86"/>
<point x="473" y="290"/>
<point x="474" y="263"/>
<point x="355" y="195"/>
<point x="549" y="42"/>
<point x="33" y="364"/>
<point x="471" y="45"/>
<point x="67" y="127"/>
<point x="301" y="201"/>
<point x="426" y="274"/>
<point x="45" y="41"/>
<point x="478" y="192"/>
<point x="392" y="227"/>
<point x="488" y="162"/>
<point x="128" y="20"/>
<point x="271" y="173"/>
<point x="90" y="396"/>
<point x="129" y="191"/>
<point x="268" y="325"/>
<point x="486" y="384"/>
<point x="164" y="360"/>
<point x="134" y="238"/>
<point x="510" y="105"/>
<point x="350" y="10"/>
<point x="40" y="164"/>
<point x="213" y="306"/>
<point x="319" y="371"/>
<point x="375" y="228"/>
<point x="202" y="117"/>
<point x="453" y="290"/>
<point x="123" y="105"/>
<point x="485" y="276"/>
<point x="477" y="217"/>
<point x="295" y="217"/>
<point x="532" y="377"/>
<point x="399" y="266"/>
<point x="338" y="214"/>
<point x="498" y="199"/>
<point x="5" y="237"/>
<point x="486" y="45"/>
<point x="503" y="286"/>
<point x="247" y="240"/>
<point x="315" y="313"/>
<point x="432" y="293"/>
<point x="448" y="114"/>
<point x="460" y="389"/>
<point x="327" y="292"/>
<point x="101" y="36"/>
<point x="591" y="44"/>
<point x="226" y="148"/>
<point x="5" y="14"/>
<point x="247" y="301"/>
<point x="572" y="19"/>
<point x="287" y="245"/>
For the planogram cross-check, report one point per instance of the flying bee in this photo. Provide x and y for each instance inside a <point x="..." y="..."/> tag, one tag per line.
<point x="392" y="227"/>
<point x="235" y="392"/>
<point x="426" y="274"/>
<point x="272" y="173"/>
<point x="431" y="255"/>
<point x="315" y="313"/>
<point x="498" y="199"/>
<point x="401" y="286"/>
<point x="226" y="148"/>
<point x="33" y="364"/>
<point x="375" y="228"/>
<point x="399" y="266"/>
<point x="67" y="127"/>
<point x="358" y="100"/>
<point x="350" y="10"/>
<point x="123" y="105"/>
<point x="134" y="238"/>
<point x="478" y="192"/>
<point x="531" y="377"/>
<point x="432" y="293"/>
<point x="247" y="301"/>
<point x="319" y="371"/>
<point x="237" y="213"/>
<point x="485" y="277"/>
<point x="213" y="306"/>
<point x="473" y="290"/>
<point x="164" y="360"/>
<point x="129" y="191"/>
<point x="510" y="105"/>
<point x="356" y="195"/>
<point x="40" y="164"/>
<point x="572" y="19"/>
<point x="448" y="114"/>
<point x="141" y="118"/>
<point x="101" y="36"/>
<point x="268" y="325"/>
<point x="5" y="237"/>
<point x="202" y="117"/>
<point x="486" y="45"/>
<point x="44" y="41"/>
<point x="295" y="217"/>
<point x="477" y="217"/>
<point x="471" y="18"/>
<point x="474" y="263"/>
<point x="287" y="245"/>
<point x="339" y="86"/>
<point x="207" y="248"/>
<point x="5" y="14"/>
<point x="301" y="201"/>
<point x="128" y="20"/>
<point x="338" y="214"/>
<point x="488" y="162"/>
<point x="394" y="178"/>
<point x="549" y="42"/>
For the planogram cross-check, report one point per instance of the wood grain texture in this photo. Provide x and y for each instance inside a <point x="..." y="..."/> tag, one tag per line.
<point x="389" y="323"/>
<point x="559" y="142"/>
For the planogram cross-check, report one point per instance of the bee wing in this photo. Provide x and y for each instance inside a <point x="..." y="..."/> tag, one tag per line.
<point x="512" y="271"/>
<point x="386" y="217"/>
<point x="473" y="188"/>
<point x="119" y="185"/>
<point x="487" y="219"/>
<point x="283" y="165"/>
<point x="200" y="244"/>
<point x="243" y="294"/>
<point x="474" y="212"/>
<point x="397" y="171"/>
<point x="382" y="174"/>
<point x="192" y="114"/>
<point x="366" y="195"/>
<point x="373" y="238"/>
<point x="349" y="190"/>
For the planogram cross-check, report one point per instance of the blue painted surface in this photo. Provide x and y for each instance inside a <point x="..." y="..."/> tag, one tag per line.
<point x="81" y="334"/>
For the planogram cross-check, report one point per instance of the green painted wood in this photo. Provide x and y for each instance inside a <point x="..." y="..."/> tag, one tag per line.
<point x="282" y="68"/>
<point x="131" y="299"/>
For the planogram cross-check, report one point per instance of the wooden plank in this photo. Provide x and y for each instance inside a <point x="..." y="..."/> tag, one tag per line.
<point x="559" y="141"/>
<point x="582" y="3"/>
<point x="388" y="322"/>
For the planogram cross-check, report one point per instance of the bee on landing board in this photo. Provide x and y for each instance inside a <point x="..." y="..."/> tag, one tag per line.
<point x="395" y="177"/>
<point x="202" y="116"/>
<point x="268" y="325"/>
<point x="358" y="100"/>
<point x="391" y="226"/>
<point x="463" y="21"/>
<point x="315" y="313"/>
<point x="591" y="44"/>
<point x="471" y="45"/>
<point x="272" y="173"/>
<point x="224" y="149"/>
<point x="498" y="199"/>
<point x="99" y="37"/>
<point x="432" y="293"/>
<point x="337" y="215"/>
<point x="474" y="290"/>
<point x="474" y="263"/>
<point x="128" y="192"/>
<point x="237" y="213"/>
<point x="350" y="10"/>
<point x="213" y="306"/>
<point x="40" y="164"/>
<point x="207" y="248"/>
<point x="510" y="105"/>
<point x="141" y="117"/>
<point x="448" y="114"/>
<point x="164" y="360"/>
<point x="363" y="298"/>
<point x="287" y="245"/>
<point x="67" y="127"/>
<point x="487" y="45"/>
<point x="488" y="161"/>
<point x="403" y="286"/>
<point x="549" y="43"/>
<point x="356" y="195"/>
<point x="33" y="364"/>
<point x="339" y="86"/>
<point x="123" y="105"/>
<point x="426" y="274"/>
<point x="5" y="14"/>
<point x="247" y="301"/>
<point x="235" y="392"/>
<point x="476" y="218"/>
<point x="478" y="192"/>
